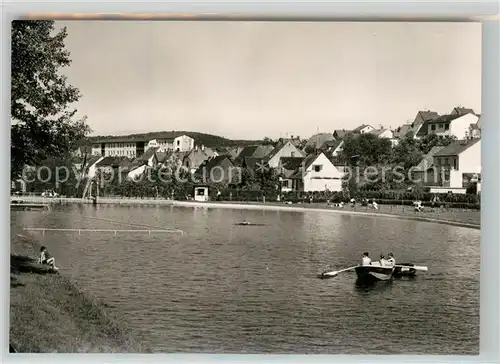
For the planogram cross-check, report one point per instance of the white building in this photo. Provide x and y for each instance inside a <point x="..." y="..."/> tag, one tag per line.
<point x="115" y="149"/>
<point x="317" y="173"/>
<point x="285" y="149"/>
<point x="385" y="134"/>
<point x="457" y="165"/>
<point x="452" y="125"/>
<point x="362" y="129"/>
<point x="183" y="143"/>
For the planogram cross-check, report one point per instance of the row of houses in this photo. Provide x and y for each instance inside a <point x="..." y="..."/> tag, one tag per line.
<point x="314" y="172"/>
<point x="458" y="164"/>
<point x="136" y="146"/>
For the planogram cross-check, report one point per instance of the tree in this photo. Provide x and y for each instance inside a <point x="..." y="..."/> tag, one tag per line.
<point x="407" y="153"/>
<point x="433" y="140"/>
<point x="43" y="123"/>
<point x="366" y="150"/>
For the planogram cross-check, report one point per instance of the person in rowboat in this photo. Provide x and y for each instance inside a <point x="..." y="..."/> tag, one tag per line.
<point x="366" y="259"/>
<point x="46" y="258"/>
<point x="383" y="261"/>
<point x="391" y="261"/>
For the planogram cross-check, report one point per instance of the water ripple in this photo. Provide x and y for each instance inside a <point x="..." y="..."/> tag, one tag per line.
<point x="225" y="288"/>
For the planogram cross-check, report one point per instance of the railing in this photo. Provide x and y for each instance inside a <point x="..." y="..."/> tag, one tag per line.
<point x="114" y="231"/>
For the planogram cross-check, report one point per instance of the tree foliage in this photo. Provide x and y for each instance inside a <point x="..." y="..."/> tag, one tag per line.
<point x="43" y="122"/>
<point x="407" y="153"/>
<point x="433" y="140"/>
<point x="366" y="150"/>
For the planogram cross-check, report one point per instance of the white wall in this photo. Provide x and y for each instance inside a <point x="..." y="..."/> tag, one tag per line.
<point x="152" y="144"/>
<point x="96" y="150"/>
<point x="469" y="161"/>
<point x="183" y="143"/>
<point x="288" y="150"/>
<point x="328" y="178"/>
<point x="386" y="134"/>
<point x="135" y="173"/>
<point x="339" y="149"/>
<point x="366" y="129"/>
<point x="460" y="127"/>
<point x="125" y="149"/>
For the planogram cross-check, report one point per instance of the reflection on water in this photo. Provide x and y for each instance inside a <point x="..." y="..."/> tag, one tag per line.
<point x="222" y="287"/>
<point x="366" y="287"/>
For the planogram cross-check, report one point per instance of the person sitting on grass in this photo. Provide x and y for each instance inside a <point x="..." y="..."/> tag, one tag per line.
<point x="46" y="258"/>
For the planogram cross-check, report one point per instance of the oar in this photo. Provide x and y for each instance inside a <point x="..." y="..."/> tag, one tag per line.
<point x="416" y="267"/>
<point x="334" y="273"/>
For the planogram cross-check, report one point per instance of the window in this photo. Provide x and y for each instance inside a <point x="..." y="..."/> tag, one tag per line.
<point x="317" y="168"/>
<point x="447" y="126"/>
<point x="455" y="163"/>
<point x="433" y="127"/>
<point x="441" y="126"/>
<point x="293" y="154"/>
<point x="446" y="161"/>
<point x="178" y="142"/>
<point x="285" y="183"/>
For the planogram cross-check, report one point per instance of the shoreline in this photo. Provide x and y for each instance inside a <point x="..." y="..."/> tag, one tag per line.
<point x="50" y="314"/>
<point x="297" y="207"/>
<point x="461" y="218"/>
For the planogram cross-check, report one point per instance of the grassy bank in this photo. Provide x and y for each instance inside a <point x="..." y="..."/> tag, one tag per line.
<point x="48" y="313"/>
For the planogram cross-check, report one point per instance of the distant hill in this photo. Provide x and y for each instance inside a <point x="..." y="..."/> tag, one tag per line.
<point x="207" y="140"/>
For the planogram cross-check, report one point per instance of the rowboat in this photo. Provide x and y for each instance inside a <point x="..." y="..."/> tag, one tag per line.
<point x="374" y="272"/>
<point x="377" y="272"/>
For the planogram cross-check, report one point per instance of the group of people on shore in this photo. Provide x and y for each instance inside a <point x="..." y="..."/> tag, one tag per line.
<point x="389" y="262"/>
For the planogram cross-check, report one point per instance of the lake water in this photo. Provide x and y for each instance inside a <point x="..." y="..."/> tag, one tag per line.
<point x="222" y="288"/>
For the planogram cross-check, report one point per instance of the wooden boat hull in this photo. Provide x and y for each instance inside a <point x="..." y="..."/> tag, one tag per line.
<point x="371" y="272"/>
<point x="406" y="271"/>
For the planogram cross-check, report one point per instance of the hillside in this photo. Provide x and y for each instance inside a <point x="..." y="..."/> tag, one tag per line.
<point x="208" y="140"/>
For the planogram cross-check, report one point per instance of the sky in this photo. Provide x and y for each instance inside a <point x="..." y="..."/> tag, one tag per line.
<point x="249" y="80"/>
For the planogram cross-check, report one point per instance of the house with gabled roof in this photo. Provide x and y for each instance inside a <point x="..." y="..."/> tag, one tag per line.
<point x="362" y="129"/>
<point x="317" y="140"/>
<point x="317" y="173"/>
<point x="341" y="133"/>
<point x="253" y="151"/>
<point x="401" y="131"/>
<point x="283" y="149"/>
<point x="195" y="158"/>
<point x="424" y="172"/>
<point x="419" y="125"/>
<point x="219" y="169"/>
<point x="150" y="157"/>
<point x="385" y="134"/>
<point x="457" y="125"/>
<point x="458" y="164"/>
<point x="459" y="110"/>
<point x="288" y="166"/>
<point x="333" y="148"/>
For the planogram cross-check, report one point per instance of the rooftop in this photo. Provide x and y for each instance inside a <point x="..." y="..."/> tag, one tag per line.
<point x="457" y="147"/>
<point x="428" y="159"/>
